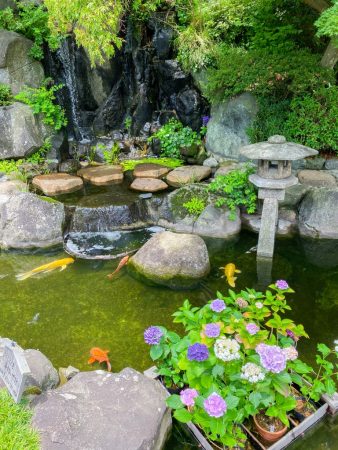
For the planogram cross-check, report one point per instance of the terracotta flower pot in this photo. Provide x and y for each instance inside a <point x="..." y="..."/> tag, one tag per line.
<point x="269" y="436"/>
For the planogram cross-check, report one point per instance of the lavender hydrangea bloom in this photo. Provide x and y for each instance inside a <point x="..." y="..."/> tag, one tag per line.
<point x="282" y="284"/>
<point x="212" y="330"/>
<point x="188" y="396"/>
<point x="252" y="328"/>
<point x="290" y="353"/>
<point x="272" y="357"/>
<point x="214" y="405"/>
<point x="152" y="335"/>
<point x="217" y="305"/>
<point x="198" y="352"/>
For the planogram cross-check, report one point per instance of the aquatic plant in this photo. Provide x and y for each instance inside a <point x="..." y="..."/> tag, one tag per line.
<point x="130" y="164"/>
<point x="236" y="358"/>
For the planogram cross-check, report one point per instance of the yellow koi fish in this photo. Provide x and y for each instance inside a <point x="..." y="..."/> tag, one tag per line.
<point x="229" y="273"/>
<point x="60" y="263"/>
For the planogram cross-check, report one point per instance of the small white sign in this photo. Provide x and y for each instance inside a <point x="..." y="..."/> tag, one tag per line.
<point x="14" y="370"/>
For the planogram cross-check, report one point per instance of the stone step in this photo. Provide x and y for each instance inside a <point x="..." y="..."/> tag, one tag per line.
<point x="57" y="183"/>
<point x="102" y="175"/>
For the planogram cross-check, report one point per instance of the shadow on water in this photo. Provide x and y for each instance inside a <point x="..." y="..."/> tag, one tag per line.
<point x="80" y="308"/>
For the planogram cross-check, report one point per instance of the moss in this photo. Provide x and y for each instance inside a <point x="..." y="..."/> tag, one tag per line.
<point x="48" y="199"/>
<point x="130" y="164"/>
<point x="185" y="195"/>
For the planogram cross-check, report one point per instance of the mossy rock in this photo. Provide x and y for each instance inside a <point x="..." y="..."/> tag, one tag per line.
<point x="185" y="194"/>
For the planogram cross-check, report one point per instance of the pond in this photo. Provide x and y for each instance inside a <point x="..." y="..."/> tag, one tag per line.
<point x="80" y="307"/>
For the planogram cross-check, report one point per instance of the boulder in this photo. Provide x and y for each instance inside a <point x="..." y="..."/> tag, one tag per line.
<point x="226" y="168"/>
<point x="294" y="195"/>
<point x="331" y="164"/>
<point x="43" y="374"/>
<point x="317" y="178"/>
<point x="187" y="175"/>
<point x="102" y="175"/>
<point x="17" y="68"/>
<point x="227" y="127"/>
<point x="28" y="221"/>
<point x="103" y="411"/>
<point x="149" y="170"/>
<point x="286" y="225"/>
<point x="21" y="132"/>
<point x="57" y="183"/>
<point x="70" y="166"/>
<point x="173" y="260"/>
<point x="148" y="185"/>
<point x="217" y="223"/>
<point x="12" y="186"/>
<point x="210" y="162"/>
<point x="318" y="214"/>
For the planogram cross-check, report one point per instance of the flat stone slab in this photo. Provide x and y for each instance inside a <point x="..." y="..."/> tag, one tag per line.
<point x="187" y="175"/>
<point x="148" y="185"/>
<point x="57" y="183"/>
<point x="103" y="411"/>
<point x="150" y="170"/>
<point x="317" y="178"/>
<point x="102" y="175"/>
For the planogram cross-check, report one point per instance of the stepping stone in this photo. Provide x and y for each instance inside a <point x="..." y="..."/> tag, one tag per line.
<point x="187" y="175"/>
<point x="149" y="170"/>
<point x="102" y="175"/>
<point x="57" y="183"/>
<point x="148" y="185"/>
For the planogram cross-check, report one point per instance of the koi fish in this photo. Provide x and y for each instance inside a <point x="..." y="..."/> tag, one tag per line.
<point x="60" y="263"/>
<point x="229" y="273"/>
<point x="97" y="354"/>
<point x="122" y="263"/>
<point x="34" y="320"/>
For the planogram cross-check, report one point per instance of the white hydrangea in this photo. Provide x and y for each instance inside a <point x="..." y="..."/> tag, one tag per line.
<point x="290" y="353"/>
<point x="252" y="373"/>
<point x="227" y="349"/>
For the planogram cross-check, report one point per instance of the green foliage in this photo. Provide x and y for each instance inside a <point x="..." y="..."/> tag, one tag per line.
<point x="327" y="23"/>
<point x="110" y="155"/>
<point x="141" y="10"/>
<point x="92" y="154"/>
<point x="10" y="165"/>
<point x="42" y="101"/>
<point x="234" y="189"/>
<point x="39" y="157"/>
<point x="31" y="21"/>
<point x="127" y="123"/>
<point x="173" y="136"/>
<point x="223" y="370"/>
<point x="130" y="164"/>
<point x="6" y="97"/>
<point x="15" y="425"/>
<point x="195" y="206"/>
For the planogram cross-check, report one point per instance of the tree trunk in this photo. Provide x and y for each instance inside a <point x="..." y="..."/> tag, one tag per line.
<point x="330" y="57"/>
<point x="318" y="5"/>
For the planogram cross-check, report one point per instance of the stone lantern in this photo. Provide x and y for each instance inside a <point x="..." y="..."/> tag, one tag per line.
<point x="272" y="178"/>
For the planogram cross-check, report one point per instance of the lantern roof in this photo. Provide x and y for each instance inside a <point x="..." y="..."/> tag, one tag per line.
<point x="276" y="148"/>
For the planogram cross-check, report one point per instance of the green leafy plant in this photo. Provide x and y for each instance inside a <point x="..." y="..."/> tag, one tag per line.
<point x="173" y="137"/>
<point x="10" y="165"/>
<point x="91" y="154"/>
<point x="195" y="206"/>
<point x="127" y="123"/>
<point x="39" y="157"/>
<point x="110" y="155"/>
<point x="237" y="357"/>
<point x="6" y="97"/>
<point x="234" y="189"/>
<point x="130" y="164"/>
<point x="43" y="101"/>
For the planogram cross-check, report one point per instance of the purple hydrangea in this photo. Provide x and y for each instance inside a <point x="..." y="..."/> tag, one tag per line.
<point x="152" y="335"/>
<point x="272" y="357"/>
<point x="282" y="284"/>
<point x="291" y="335"/>
<point x="205" y="120"/>
<point x="188" y="396"/>
<point x="252" y="328"/>
<point x="198" y="352"/>
<point x="212" y="330"/>
<point x="214" y="405"/>
<point x="217" y="305"/>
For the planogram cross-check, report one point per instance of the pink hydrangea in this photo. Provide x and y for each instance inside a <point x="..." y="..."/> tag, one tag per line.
<point x="272" y="357"/>
<point x="188" y="396"/>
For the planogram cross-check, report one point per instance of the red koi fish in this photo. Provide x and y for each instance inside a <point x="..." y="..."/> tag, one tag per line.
<point x="122" y="263"/>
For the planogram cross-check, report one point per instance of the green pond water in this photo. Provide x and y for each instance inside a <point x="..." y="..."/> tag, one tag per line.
<point x="80" y="307"/>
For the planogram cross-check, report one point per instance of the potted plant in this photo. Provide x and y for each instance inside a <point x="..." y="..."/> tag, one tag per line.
<point x="237" y="363"/>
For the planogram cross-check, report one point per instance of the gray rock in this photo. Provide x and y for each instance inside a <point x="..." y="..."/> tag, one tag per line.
<point x="187" y="175"/>
<point x="43" y="375"/>
<point x="216" y="222"/>
<point x="293" y="195"/>
<point x="331" y="164"/>
<point x="17" y="68"/>
<point x="103" y="411"/>
<point x="318" y="214"/>
<point x="316" y="178"/>
<point x="21" y="132"/>
<point x="316" y="163"/>
<point x="227" y="127"/>
<point x="226" y="168"/>
<point x="171" y="259"/>
<point x="69" y="166"/>
<point x="211" y="162"/>
<point x="12" y="187"/>
<point x="286" y="225"/>
<point x="28" y="221"/>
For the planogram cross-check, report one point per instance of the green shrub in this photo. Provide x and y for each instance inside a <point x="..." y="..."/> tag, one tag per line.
<point x="31" y="21"/>
<point x="42" y="101"/>
<point x="110" y="155"/>
<point x="173" y="136"/>
<point x="39" y="156"/>
<point x="6" y="97"/>
<point x="130" y="164"/>
<point x="234" y="189"/>
<point x="195" y="206"/>
<point x="10" y="165"/>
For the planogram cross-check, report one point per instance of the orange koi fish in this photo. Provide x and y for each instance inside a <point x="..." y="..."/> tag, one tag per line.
<point x="97" y="354"/>
<point x="122" y="263"/>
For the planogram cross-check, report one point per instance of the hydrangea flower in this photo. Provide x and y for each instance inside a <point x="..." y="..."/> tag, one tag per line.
<point x="241" y="302"/>
<point x="152" y="335"/>
<point x="198" y="352"/>
<point x="188" y="396"/>
<point x="252" y="328"/>
<point x="205" y="120"/>
<point x="252" y="373"/>
<point x="259" y="305"/>
<point x="282" y="284"/>
<point x="292" y="335"/>
<point x="214" y="405"/>
<point x="212" y="330"/>
<point x="290" y="353"/>
<point x="217" y="305"/>
<point x="272" y="357"/>
<point x="227" y="349"/>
